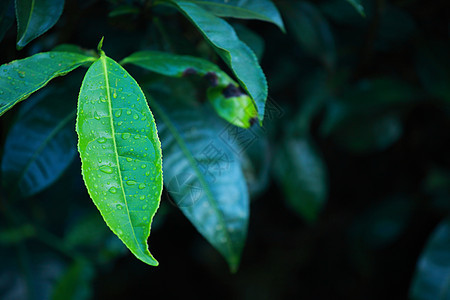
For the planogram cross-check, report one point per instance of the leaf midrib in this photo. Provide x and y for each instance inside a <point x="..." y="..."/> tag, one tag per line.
<point x="108" y="95"/>
<point x="191" y="160"/>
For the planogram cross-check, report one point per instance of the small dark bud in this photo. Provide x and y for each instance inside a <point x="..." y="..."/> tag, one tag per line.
<point x="253" y="121"/>
<point x="212" y="79"/>
<point x="189" y="71"/>
<point x="232" y="91"/>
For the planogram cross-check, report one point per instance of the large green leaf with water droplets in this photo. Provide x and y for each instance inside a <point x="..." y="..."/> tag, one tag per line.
<point x="20" y="78"/>
<point x="41" y="144"/>
<point x="35" y="17"/>
<point x="235" y="53"/>
<point x="120" y="153"/>
<point x="203" y="173"/>
<point x="263" y="10"/>
<point x="224" y="94"/>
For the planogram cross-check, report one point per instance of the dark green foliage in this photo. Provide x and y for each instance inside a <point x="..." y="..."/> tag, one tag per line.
<point x="277" y="149"/>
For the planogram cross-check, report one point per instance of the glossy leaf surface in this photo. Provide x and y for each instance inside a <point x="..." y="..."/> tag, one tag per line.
<point x="20" y="78"/>
<point x="120" y="153"/>
<point x="35" y="17"/>
<point x="239" y="57"/>
<point x="263" y="10"/>
<point x="41" y="144"/>
<point x="225" y="94"/>
<point x="432" y="277"/>
<point x="203" y="175"/>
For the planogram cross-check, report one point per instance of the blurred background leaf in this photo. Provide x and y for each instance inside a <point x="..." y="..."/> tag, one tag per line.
<point x="432" y="277"/>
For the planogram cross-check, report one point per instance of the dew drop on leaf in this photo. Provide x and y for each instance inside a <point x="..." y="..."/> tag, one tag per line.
<point x="106" y="169"/>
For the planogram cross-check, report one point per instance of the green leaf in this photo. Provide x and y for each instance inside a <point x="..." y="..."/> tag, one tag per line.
<point x="225" y="94"/>
<point x="432" y="277"/>
<point x="20" y="78"/>
<point x="263" y="10"/>
<point x="239" y="57"/>
<point x="75" y="49"/>
<point x="251" y="38"/>
<point x="41" y="144"/>
<point x="203" y="175"/>
<point x="35" y="17"/>
<point x="433" y="68"/>
<point x="358" y="6"/>
<point x="120" y="153"/>
<point x="311" y="30"/>
<point x="75" y="283"/>
<point x="303" y="176"/>
<point x="367" y="117"/>
<point x="6" y="16"/>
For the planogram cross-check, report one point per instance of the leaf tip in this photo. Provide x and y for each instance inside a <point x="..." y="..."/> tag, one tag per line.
<point x="100" y="45"/>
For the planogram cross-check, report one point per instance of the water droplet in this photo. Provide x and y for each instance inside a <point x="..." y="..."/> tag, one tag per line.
<point x="134" y="168"/>
<point x="131" y="149"/>
<point x="1" y="92"/>
<point x="106" y="169"/>
<point x="99" y="160"/>
<point x="128" y="112"/>
<point x="145" y="206"/>
<point x="144" y="218"/>
<point x="119" y="206"/>
<point x="113" y="190"/>
<point x="22" y="74"/>
<point x="52" y="55"/>
<point x="124" y="75"/>
<point x="147" y="173"/>
<point x="119" y="232"/>
<point x="141" y="186"/>
<point x="131" y="182"/>
<point x="142" y="197"/>
<point x="120" y="123"/>
<point x="96" y="116"/>
<point x="126" y="135"/>
<point x="114" y="95"/>
<point x="135" y="117"/>
<point x="118" y="113"/>
<point x="137" y="136"/>
<point x="123" y="98"/>
<point x="143" y="166"/>
<point x="101" y="140"/>
<point x="129" y="159"/>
